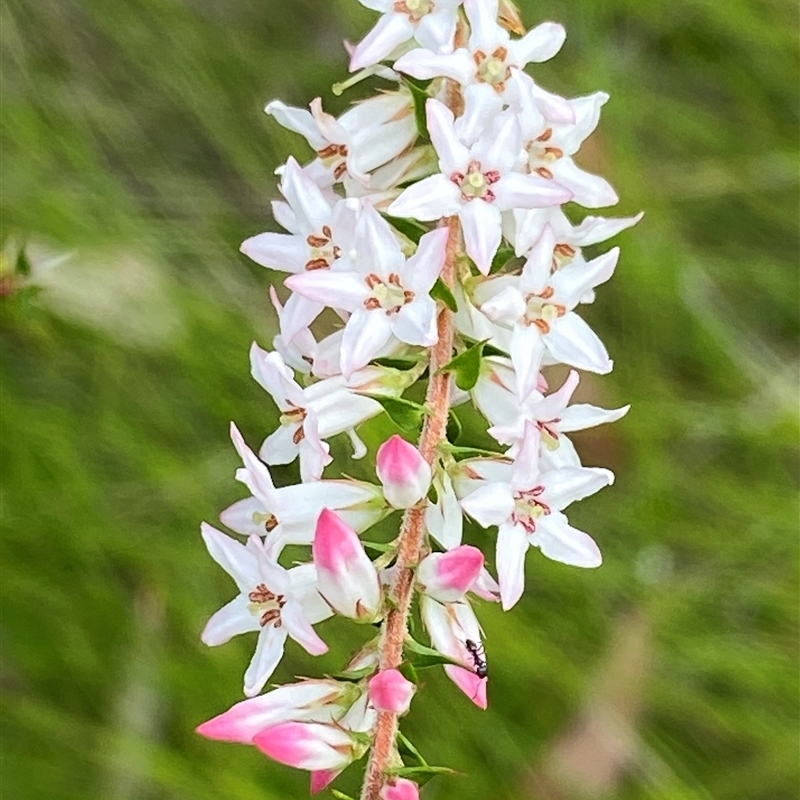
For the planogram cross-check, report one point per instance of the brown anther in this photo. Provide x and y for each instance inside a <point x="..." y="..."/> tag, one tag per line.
<point x="261" y="594"/>
<point x="372" y="280"/>
<point x="546" y="136"/>
<point x="299" y="435"/>
<point x="271" y="524"/>
<point x="337" y="251"/>
<point x="501" y="53"/>
<point x="394" y="279"/>
<point x="340" y="170"/>
<point x="371" y="303"/>
<point x="479" y="57"/>
<point x="326" y="231"/>
<point x="317" y="263"/>
<point x="500" y="86"/>
<point x="392" y="310"/>
<point x="317" y="241"/>
<point x="542" y="325"/>
<point x="565" y="250"/>
<point x="556" y="152"/>
<point x="408" y="295"/>
<point x="329" y="152"/>
<point x="544" y="172"/>
<point x="273" y="615"/>
<point x="492" y="176"/>
<point x="546" y="293"/>
<point x="561" y="310"/>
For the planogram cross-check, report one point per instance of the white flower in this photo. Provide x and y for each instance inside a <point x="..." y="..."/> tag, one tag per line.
<point x="365" y="137"/>
<point x="538" y="307"/>
<point x="273" y="601"/>
<point x="476" y="182"/>
<point x="388" y="297"/>
<point x="527" y="508"/>
<point x="432" y="23"/>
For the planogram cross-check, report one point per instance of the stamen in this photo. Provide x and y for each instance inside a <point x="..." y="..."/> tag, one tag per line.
<point x="545" y="173"/>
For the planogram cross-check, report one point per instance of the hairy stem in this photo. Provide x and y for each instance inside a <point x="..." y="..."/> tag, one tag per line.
<point x="412" y="531"/>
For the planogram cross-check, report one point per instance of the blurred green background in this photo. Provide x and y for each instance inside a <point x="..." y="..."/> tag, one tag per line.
<point x="136" y="157"/>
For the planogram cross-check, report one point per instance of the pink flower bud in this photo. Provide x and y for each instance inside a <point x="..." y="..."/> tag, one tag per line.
<point x="308" y="745"/>
<point x="346" y="577"/>
<point x="404" y="473"/>
<point x="321" y="779"/>
<point x="401" y="789"/>
<point x="448" y="576"/>
<point x="390" y="691"/>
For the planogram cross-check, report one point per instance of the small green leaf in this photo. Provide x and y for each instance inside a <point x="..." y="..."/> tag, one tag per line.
<point x="468" y="452"/>
<point x="501" y="258"/>
<point x="354" y="675"/>
<point x="412" y="772"/>
<point x="453" y="427"/>
<point x="419" y="94"/>
<point x="409" y="748"/>
<point x="441" y="292"/>
<point x="422" y="657"/>
<point x="406" y="415"/>
<point x="410" y="228"/>
<point x="381" y="547"/>
<point x="466" y="366"/>
<point x="341" y="795"/>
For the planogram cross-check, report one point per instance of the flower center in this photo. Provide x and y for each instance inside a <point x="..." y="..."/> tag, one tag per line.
<point x="493" y="69"/>
<point x="540" y="312"/>
<point x="542" y="154"/>
<point x="388" y="295"/>
<point x="267" y="604"/>
<point x="268" y="520"/>
<point x="415" y="9"/>
<point x="528" y="508"/>
<point x="335" y="155"/>
<point x="295" y="416"/>
<point x="476" y="183"/>
<point x="322" y="251"/>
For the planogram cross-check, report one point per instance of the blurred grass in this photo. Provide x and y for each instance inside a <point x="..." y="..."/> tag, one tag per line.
<point x="134" y="142"/>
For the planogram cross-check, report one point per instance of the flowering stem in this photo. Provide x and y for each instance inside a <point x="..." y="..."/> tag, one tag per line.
<point x="412" y="531"/>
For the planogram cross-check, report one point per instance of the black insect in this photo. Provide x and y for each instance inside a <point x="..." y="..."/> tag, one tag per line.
<point x="478" y="658"/>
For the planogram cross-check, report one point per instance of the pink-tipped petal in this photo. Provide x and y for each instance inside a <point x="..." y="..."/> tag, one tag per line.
<point x="448" y="576"/>
<point x="323" y="778"/>
<point x="401" y="789"/>
<point x="469" y="683"/>
<point x="390" y="691"/>
<point x="404" y="473"/>
<point x="309" y="746"/>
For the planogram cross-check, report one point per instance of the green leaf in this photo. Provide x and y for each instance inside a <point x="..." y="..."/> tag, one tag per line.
<point x="406" y="415"/>
<point x="405" y="745"/>
<point x="381" y="547"/>
<point x="422" y="657"/>
<point x="441" y="292"/>
<point x="410" y="228"/>
<point x="426" y="770"/>
<point x="468" y="452"/>
<point x="453" y="427"/>
<point x="419" y="94"/>
<point x="466" y="366"/>
<point x="341" y="795"/>
<point x="354" y="675"/>
<point x="501" y="258"/>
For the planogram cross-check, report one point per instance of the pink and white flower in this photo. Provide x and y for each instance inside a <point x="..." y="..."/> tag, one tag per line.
<point x="404" y="473"/>
<point x="276" y="602"/>
<point x="477" y="182"/>
<point x="390" y="691"/>
<point x="447" y="577"/>
<point x="399" y="789"/>
<point x="527" y="506"/>
<point x="309" y="745"/>
<point x="347" y="579"/>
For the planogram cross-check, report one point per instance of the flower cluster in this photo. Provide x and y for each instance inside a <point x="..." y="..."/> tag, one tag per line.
<point x="431" y="223"/>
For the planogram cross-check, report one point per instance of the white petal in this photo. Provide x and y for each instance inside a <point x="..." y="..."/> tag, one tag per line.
<point x="484" y="30"/>
<point x="298" y="120"/>
<point x="435" y="32"/>
<point x="525" y="473"/>
<point x="516" y="190"/>
<point x="561" y="542"/>
<point x="481" y="224"/>
<point x="232" y="556"/>
<point x="269" y="651"/>
<point x="500" y="148"/>
<point x="581" y="416"/>
<point x="390" y="31"/>
<point x="239" y="516"/>
<point x="279" y="447"/>
<point x="527" y="351"/>
<point x="444" y="519"/>
<point x="281" y="251"/>
<point x="428" y="199"/>
<point x="377" y="244"/>
<point x="365" y="334"/>
<point x="304" y="196"/>
<point x="301" y="630"/>
<point x="453" y="155"/>
<point x="538" y="266"/>
<point x="481" y="105"/>
<point x="424" y="267"/>
<point x="344" y="290"/>
<point x="590" y="191"/>
<point x="597" y="229"/>
<point x="572" y="282"/>
<point x="540" y="44"/>
<point x="587" y="115"/>
<point x="375" y="146"/>
<point x="573" y="342"/>
<point x="506" y="306"/>
<point x="314" y="453"/>
<point x="298" y="313"/>
<point x="512" y="545"/>
<point x="568" y="485"/>
<point x="491" y="504"/>
<point x="415" y="323"/>
<point x="231" y="620"/>
<point x="424" y="65"/>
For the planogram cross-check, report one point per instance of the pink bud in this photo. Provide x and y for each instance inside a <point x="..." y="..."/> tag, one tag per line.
<point x="347" y="579"/>
<point x="448" y="576"/>
<point x="404" y="473"/>
<point x="401" y="789"/>
<point x="307" y="745"/>
<point x="390" y="691"/>
<point x="321" y="779"/>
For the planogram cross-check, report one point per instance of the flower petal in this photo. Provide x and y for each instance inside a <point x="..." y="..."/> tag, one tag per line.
<point x="512" y="544"/>
<point x="390" y="31"/>
<point x="428" y="199"/>
<point x="269" y="651"/>
<point x="481" y="224"/>
<point x="365" y="334"/>
<point x="491" y="504"/>
<point x="540" y="44"/>
<point x="232" y="556"/>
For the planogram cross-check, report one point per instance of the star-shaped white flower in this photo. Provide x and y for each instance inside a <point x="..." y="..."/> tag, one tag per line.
<point x="477" y="183"/>
<point x="387" y="297"/>
<point x="527" y="505"/>
<point x="277" y="603"/>
<point x="538" y="307"/>
<point x="365" y="137"/>
<point x="432" y="23"/>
